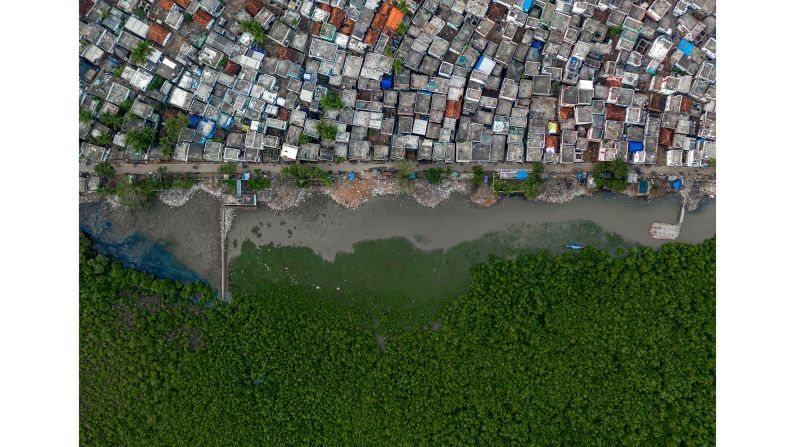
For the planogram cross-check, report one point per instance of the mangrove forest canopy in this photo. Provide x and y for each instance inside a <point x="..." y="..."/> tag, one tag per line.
<point x="580" y="349"/>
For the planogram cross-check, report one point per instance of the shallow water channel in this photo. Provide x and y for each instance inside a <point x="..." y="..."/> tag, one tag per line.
<point x="182" y="243"/>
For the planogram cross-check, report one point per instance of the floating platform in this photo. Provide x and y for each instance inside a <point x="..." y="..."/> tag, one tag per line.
<point x="666" y="231"/>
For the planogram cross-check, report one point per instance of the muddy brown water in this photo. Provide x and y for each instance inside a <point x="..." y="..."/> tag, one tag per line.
<point x="328" y="228"/>
<point x="190" y="232"/>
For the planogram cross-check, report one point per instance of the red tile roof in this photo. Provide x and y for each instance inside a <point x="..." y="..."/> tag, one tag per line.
<point x="169" y="113"/>
<point x="453" y="109"/>
<point x="253" y="7"/>
<point x="394" y="19"/>
<point x="687" y="104"/>
<point x="615" y="113"/>
<point x="371" y="37"/>
<point x="166" y="5"/>
<point x="337" y="16"/>
<point x="231" y="68"/>
<point x="85" y="6"/>
<point x="666" y="136"/>
<point x="656" y="102"/>
<point x="202" y="18"/>
<point x="183" y="3"/>
<point x="347" y="26"/>
<point x="316" y="26"/>
<point x="551" y="141"/>
<point x="157" y="33"/>
<point x="566" y="113"/>
<point x="378" y="22"/>
<point x="496" y="12"/>
<point x="384" y="8"/>
<point x="613" y="82"/>
<point x="288" y="54"/>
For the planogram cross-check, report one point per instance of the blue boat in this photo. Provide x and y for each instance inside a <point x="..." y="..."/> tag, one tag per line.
<point x="574" y="246"/>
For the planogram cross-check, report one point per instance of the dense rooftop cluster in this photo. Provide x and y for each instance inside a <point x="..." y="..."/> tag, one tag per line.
<point x="376" y="80"/>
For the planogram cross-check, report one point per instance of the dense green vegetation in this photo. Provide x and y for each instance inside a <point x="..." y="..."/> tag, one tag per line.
<point x="139" y="54"/>
<point x="611" y="175"/>
<point x="477" y="175"/>
<point x="436" y="175"/>
<point x="402" y="7"/>
<point x="532" y="184"/>
<point x="580" y="349"/>
<point x="140" y="140"/>
<point x="86" y="116"/>
<point x="397" y="64"/>
<point x="303" y="172"/>
<point x="255" y="29"/>
<point x="529" y="187"/>
<point x="104" y="169"/>
<point x="111" y="120"/>
<point x="402" y="29"/>
<point x="140" y="192"/>
<point x="228" y="168"/>
<point x="331" y="101"/>
<point x="103" y="139"/>
<point x="172" y="128"/>
<point x="258" y="183"/>
<point x="326" y="131"/>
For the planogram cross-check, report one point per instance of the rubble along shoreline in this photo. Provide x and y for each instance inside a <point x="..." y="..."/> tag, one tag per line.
<point x="284" y="195"/>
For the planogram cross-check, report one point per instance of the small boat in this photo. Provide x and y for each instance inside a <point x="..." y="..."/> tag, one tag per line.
<point x="574" y="246"/>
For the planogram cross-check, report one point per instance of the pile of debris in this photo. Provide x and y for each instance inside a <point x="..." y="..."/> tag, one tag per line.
<point x="560" y="189"/>
<point x="484" y="197"/>
<point x="700" y="192"/>
<point x="283" y="196"/>
<point x="429" y="195"/>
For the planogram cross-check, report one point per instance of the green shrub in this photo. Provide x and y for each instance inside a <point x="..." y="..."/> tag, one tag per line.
<point x="104" y="170"/>
<point x="434" y="175"/>
<point x="331" y="101"/>
<point x="326" y="131"/>
<point x="477" y="175"/>
<point x="611" y="175"/>
<point x="228" y="168"/>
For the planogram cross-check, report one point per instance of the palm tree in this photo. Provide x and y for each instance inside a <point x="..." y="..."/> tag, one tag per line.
<point x="141" y="52"/>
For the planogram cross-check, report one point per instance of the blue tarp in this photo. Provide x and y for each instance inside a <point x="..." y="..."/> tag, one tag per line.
<point x="685" y="47"/>
<point x="386" y="83"/>
<point x="635" y="146"/>
<point x="521" y="175"/>
<point x="193" y="120"/>
<point x="85" y="67"/>
<point x="676" y="184"/>
<point x="526" y="5"/>
<point x="246" y="176"/>
<point x="351" y="176"/>
<point x="536" y="44"/>
<point x="480" y="61"/>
